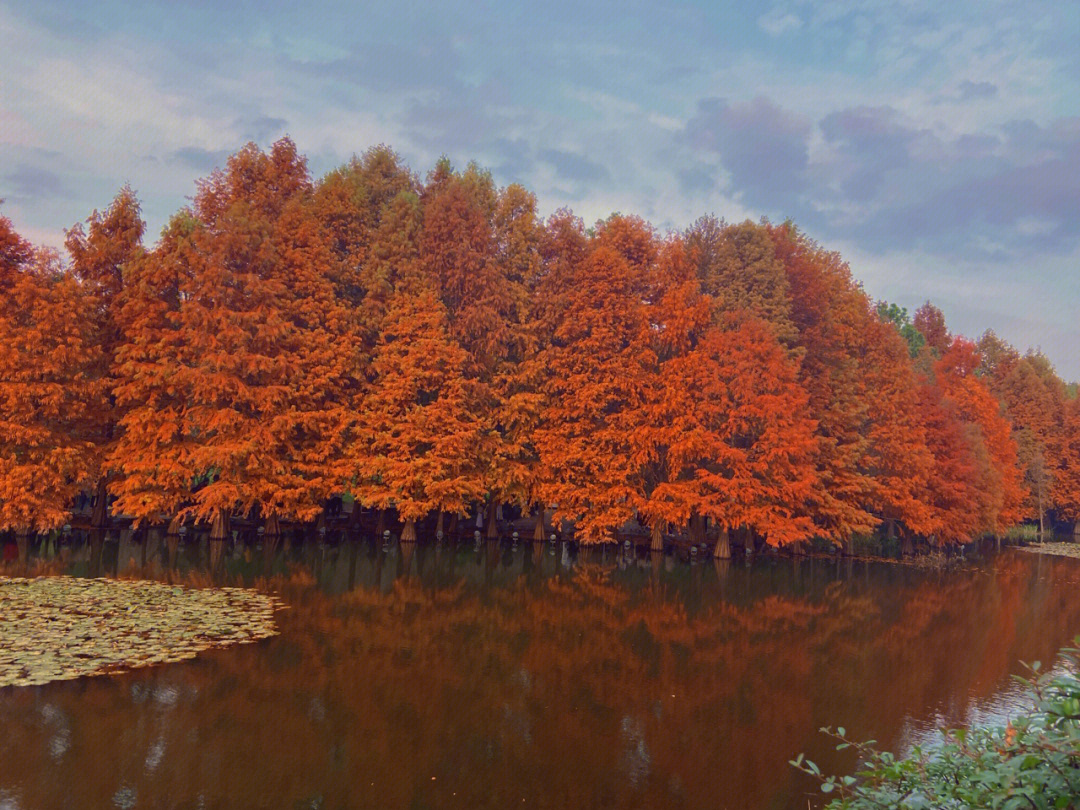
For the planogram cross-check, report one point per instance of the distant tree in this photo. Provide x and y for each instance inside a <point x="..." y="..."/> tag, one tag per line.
<point x="898" y="317"/>
<point x="871" y="455"/>
<point x="1033" y="402"/>
<point x="930" y="323"/>
<point x="360" y="207"/>
<point x="897" y="458"/>
<point x="1001" y="493"/>
<point x="950" y="489"/>
<point x="739" y="268"/>
<point x="519" y="235"/>
<point x="1065" y="475"/>
<point x="458" y="252"/>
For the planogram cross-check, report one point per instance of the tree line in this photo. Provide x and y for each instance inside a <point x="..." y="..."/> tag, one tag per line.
<point x="433" y="346"/>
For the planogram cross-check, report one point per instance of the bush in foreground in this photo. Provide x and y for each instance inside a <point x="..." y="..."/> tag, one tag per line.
<point x="1032" y="762"/>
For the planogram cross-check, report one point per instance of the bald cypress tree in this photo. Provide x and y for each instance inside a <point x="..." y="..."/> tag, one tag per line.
<point x="102" y="254"/>
<point x="48" y="364"/>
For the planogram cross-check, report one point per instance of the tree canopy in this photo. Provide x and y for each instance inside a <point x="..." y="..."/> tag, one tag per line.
<point x="435" y="346"/>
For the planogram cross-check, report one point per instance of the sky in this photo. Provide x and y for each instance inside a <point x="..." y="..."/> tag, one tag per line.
<point x="936" y="145"/>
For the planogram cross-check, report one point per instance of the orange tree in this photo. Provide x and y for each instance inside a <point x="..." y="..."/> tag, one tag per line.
<point x="599" y="368"/>
<point x="417" y="429"/>
<point x="736" y="445"/>
<point x="951" y="484"/>
<point x="254" y="360"/>
<point x="459" y="255"/>
<point x="48" y="360"/>
<point x="872" y="457"/>
<point x="1066" y="475"/>
<point x="100" y="257"/>
<point x="1033" y="399"/>
<point x="999" y="479"/>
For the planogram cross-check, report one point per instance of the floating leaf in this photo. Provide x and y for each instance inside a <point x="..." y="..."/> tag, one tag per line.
<point x="58" y="628"/>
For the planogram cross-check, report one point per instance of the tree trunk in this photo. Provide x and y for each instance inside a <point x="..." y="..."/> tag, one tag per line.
<point x="907" y="548"/>
<point x="492" y="522"/>
<point x="99" y="519"/>
<point x="695" y="529"/>
<point x="658" y="530"/>
<point x="173" y="529"/>
<point x="723" y="545"/>
<point x="272" y="527"/>
<point x="380" y="521"/>
<point x="538" y="530"/>
<point x="22" y="543"/>
<point x="408" y="533"/>
<point x="220" y="529"/>
<point x="216" y="549"/>
<point x="453" y="528"/>
<point x="354" y="516"/>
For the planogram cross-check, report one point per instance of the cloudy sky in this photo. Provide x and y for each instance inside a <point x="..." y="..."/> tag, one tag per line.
<point x="936" y="145"/>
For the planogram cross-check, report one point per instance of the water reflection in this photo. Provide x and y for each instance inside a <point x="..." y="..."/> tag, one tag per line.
<point x="493" y="675"/>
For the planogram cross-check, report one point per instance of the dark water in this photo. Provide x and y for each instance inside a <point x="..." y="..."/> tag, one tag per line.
<point x="467" y="677"/>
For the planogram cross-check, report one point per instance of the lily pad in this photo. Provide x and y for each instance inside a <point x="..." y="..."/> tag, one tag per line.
<point x="59" y="628"/>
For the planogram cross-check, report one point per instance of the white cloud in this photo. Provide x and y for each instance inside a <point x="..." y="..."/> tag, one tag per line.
<point x="777" y="22"/>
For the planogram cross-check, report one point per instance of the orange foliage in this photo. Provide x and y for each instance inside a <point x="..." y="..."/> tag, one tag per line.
<point x="1066" y="472"/>
<point x="872" y="454"/>
<point x="254" y="360"/>
<point x="999" y="480"/>
<point x="48" y="365"/>
<point x="598" y="367"/>
<point x="416" y="429"/>
<point x="435" y="346"/>
<point x="732" y="441"/>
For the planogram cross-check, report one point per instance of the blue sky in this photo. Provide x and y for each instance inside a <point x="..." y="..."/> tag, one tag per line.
<point x="936" y="145"/>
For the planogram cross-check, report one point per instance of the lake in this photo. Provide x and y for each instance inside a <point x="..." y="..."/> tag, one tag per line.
<point x="495" y="676"/>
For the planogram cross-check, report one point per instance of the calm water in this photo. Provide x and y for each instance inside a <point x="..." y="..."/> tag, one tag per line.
<point x="467" y="677"/>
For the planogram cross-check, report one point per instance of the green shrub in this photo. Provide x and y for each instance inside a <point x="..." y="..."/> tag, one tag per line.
<point x="1028" y="532"/>
<point x="1032" y="762"/>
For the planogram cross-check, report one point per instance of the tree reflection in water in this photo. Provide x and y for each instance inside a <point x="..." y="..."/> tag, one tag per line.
<point x="484" y="675"/>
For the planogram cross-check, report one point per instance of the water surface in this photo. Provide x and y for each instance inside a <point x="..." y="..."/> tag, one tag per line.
<point x="492" y="676"/>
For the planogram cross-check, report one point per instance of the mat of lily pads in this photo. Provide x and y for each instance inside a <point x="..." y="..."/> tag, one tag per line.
<point x="58" y="628"/>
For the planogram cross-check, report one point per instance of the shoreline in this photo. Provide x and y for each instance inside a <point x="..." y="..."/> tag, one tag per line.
<point x="1063" y="549"/>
